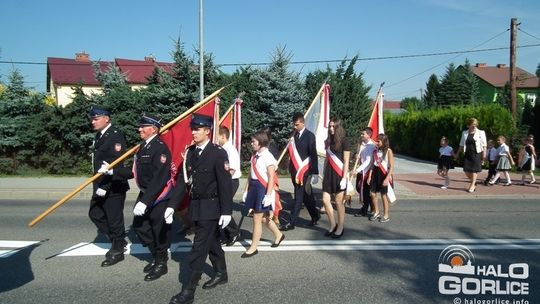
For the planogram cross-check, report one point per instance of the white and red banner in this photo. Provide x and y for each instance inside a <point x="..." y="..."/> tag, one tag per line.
<point x="232" y="119"/>
<point x="376" y="121"/>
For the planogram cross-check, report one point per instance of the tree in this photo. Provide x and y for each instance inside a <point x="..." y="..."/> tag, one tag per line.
<point x="411" y="104"/>
<point x="450" y="89"/>
<point x="432" y="91"/>
<point x="277" y="95"/>
<point x="469" y="84"/>
<point x="349" y="97"/>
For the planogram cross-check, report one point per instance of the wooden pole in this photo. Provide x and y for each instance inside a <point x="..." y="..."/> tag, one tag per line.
<point x="513" y="94"/>
<point x="120" y="159"/>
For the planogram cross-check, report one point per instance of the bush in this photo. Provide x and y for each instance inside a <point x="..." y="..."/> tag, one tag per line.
<point x="417" y="133"/>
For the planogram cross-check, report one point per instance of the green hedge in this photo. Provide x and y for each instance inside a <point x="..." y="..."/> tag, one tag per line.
<point x="417" y="133"/>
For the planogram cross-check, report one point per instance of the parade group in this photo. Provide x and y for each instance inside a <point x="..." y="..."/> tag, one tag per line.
<point x="209" y="178"/>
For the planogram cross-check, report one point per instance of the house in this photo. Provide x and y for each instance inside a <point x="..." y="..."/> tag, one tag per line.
<point x="491" y="81"/>
<point x="63" y="74"/>
<point x="391" y="106"/>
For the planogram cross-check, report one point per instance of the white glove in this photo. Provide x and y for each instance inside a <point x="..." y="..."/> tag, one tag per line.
<point x="267" y="200"/>
<point x="169" y="212"/>
<point x="105" y="169"/>
<point x="343" y="183"/>
<point x="224" y="220"/>
<point x="139" y="209"/>
<point x="101" y="192"/>
<point x="244" y="197"/>
<point x="314" y="179"/>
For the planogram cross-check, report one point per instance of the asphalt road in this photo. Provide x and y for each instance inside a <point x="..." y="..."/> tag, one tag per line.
<point x="394" y="262"/>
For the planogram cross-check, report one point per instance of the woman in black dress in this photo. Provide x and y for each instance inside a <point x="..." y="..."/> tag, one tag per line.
<point x="336" y="168"/>
<point x="474" y="144"/>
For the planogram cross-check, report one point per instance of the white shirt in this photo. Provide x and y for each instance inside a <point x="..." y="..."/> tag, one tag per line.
<point x="202" y="146"/>
<point x="492" y="156"/>
<point x="366" y="155"/>
<point x="446" y="151"/>
<point x="149" y="139"/>
<point x="263" y="160"/>
<point x="234" y="159"/>
<point x="503" y="150"/>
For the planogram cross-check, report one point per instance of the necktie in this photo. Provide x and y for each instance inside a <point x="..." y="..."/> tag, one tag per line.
<point x="98" y="136"/>
<point x="197" y="152"/>
<point x="296" y="136"/>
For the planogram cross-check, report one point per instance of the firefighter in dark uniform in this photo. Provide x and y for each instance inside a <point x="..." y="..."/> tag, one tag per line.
<point x="209" y="183"/>
<point x="109" y="193"/>
<point x="153" y="210"/>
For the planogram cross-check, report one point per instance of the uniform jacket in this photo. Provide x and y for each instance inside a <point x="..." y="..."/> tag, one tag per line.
<point x="211" y="183"/>
<point x="109" y="147"/>
<point x="307" y="147"/>
<point x="153" y="166"/>
<point x="479" y="140"/>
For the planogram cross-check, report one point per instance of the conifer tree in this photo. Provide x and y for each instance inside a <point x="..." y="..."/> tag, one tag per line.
<point x="432" y="90"/>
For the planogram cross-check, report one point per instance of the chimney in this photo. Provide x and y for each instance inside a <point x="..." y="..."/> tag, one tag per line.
<point x="480" y="65"/>
<point x="501" y="65"/>
<point x="150" y="58"/>
<point x="82" y="57"/>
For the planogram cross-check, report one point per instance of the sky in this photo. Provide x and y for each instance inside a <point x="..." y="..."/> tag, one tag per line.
<point x="249" y="31"/>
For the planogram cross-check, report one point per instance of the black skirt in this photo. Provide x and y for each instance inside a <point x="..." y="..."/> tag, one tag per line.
<point x="445" y="162"/>
<point x="377" y="178"/>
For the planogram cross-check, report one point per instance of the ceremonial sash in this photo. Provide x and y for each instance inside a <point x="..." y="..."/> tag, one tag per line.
<point x="168" y="187"/>
<point x="334" y="162"/>
<point x="301" y="166"/>
<point x="276" y="203"/>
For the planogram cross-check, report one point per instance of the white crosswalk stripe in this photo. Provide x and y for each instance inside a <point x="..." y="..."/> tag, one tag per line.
<point x="8" y="248"/>
<point x="90" y="249"/>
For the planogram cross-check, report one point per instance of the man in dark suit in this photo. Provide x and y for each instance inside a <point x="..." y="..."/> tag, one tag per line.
<point x="206" y="174"/>
<point x="153" y="210"/>
<point x="109" y="193"/>
<point x="304" y="171"/>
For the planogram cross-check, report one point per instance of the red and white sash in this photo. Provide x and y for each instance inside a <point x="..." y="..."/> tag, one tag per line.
<point x="301" y="166"/>
<point x="263" y="179"/>
<point x="334" y="161"/>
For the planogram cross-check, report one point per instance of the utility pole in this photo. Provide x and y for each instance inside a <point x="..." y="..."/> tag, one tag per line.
<point x="513" y="94"/>
<point x="201" y="52"/>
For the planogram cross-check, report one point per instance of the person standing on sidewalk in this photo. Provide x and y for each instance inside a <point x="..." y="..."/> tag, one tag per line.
<point x="153" y="210"/>
<point x="210" y="188"/>
<point x="492" y="160"/>
<point x="380" y="177"/>
<point x="365" y="156"/>
<point x="446" y="157"/>
<point x="304" y="170"/>
<point x="109" y="193"/>
<point x="504" y="163"/>
<point x="527" y="160"/>
<point x="473" y="143"/>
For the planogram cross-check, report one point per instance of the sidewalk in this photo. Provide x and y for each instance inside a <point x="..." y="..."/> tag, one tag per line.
<point x="414" y="179"/>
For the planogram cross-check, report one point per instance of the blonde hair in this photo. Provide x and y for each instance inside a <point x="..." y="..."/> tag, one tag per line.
<point x="471" y="121"/>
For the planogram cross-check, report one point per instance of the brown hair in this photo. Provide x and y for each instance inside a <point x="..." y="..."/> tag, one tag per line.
<point x="335" y="140"/>
<point x="261" y="137"/>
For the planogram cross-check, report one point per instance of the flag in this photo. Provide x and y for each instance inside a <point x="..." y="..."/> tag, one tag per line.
<point x="376" y="122"/>
<point x="178" y="138"/>
<point x="317" y="118"/>
<point x="232" y="119"/>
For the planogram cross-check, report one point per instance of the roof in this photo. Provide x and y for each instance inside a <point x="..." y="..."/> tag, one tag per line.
<point x="499" y="75"/>
<point x="137" y="71"/>
<point x="390" y="104"/>
<point x="64" y="71"/>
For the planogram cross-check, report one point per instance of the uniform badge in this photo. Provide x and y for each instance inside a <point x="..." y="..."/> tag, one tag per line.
<point x="163" y="158"/>
<point x="117" y="147"/>
<point x="227" y="167"/>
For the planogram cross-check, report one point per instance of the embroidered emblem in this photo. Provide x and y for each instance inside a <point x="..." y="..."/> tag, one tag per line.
<point x="117" y="147"/>
<point x="163" y="158"/>
<point x="227" y="167"/>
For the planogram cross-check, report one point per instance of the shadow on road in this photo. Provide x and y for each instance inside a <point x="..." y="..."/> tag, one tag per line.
<point x="16" y="269"/>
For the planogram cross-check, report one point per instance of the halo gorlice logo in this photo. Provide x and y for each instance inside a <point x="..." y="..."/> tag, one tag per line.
<point x="460" y="275"/>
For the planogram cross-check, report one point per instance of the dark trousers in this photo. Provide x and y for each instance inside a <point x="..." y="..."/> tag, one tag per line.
<point x="206" y="243"/>
<point x="365" y="199"/>
<point x="152" y="230"/>
<point x="107" y="213"/>
<point x="308" y="199"/>
<point x="491" y="171"/>
<point x="231" y="229"/>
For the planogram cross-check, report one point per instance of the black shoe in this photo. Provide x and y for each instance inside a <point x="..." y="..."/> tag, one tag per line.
<point x="219" y="278"/>
<point x="149" y="266"/>
<point x="315" y="221"/>
<point x="111" y="259"/>
<point x="157" y="271"/>
<point x="286" y="227"/>
<point x="248" y="255"/>
<point x="361" y="212"/>
<point x="185" y="297"/>
<point x="331" y="232"/>
<point x="337" y="236"/>
<point x="274" y="245"/>
<point x="232" y="240"/>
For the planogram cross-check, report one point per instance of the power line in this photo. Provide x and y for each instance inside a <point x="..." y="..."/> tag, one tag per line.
<point x="528" y="34"/>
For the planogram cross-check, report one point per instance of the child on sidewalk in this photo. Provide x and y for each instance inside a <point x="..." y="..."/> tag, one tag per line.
<point x="492" y="160"/>
<point x="446" y="155"/>
<point x="505" y="162"/>
<point x="526" y="160"/>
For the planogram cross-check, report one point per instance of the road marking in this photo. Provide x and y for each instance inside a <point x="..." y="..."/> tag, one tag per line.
<point x="14" y="247"/>
<point x="91" y="249"/>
